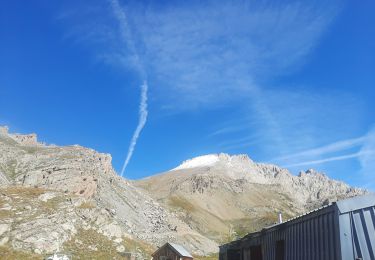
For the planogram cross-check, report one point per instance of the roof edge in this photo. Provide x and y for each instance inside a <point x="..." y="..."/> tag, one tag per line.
<point x="356" y="203"/>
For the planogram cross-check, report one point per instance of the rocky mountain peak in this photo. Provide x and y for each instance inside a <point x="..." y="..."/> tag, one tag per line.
<point x="200" y="196"/>
<point x="211" y="160"/>
<point x="21" y="139"/>
<point x="312" y="173"/>
<point x="4" y="130"/>
<point x="200" y="161"/>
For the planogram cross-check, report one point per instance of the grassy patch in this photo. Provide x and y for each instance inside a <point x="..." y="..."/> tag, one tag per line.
<point x="8" y="253"/>
<point x="133" y="245"/>
<point x="79" y="246"/>
<point x="87" y="205"/>
<point x="82" y="245"/>
<point x="181" y="203"/>
<point x="9" y="168"/>
<point x="25" y="200"/>
<point x="25" y="192"/>
<point x="6" y="214"/>
<point x="209" y="257"/>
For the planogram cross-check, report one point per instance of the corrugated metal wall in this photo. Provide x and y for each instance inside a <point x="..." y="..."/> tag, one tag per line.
<point x="357" y="232"/>
<point x="314" y="238"/>
<point x="311" y="237"/>
<point x="342" y="231"/>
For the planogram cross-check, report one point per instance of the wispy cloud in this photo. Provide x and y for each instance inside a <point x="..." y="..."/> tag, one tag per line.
<point x="329" y="159"/>
<point x="364" y="147"/>
<point x="210" y="53"/>
<point x="143" y="112"/>
<point x="326" y="149"/>
<point x="136" y="62"/>
<point x="238" y="145"/>
<point x="367" y="157"/>
<point x="228" y="130"/>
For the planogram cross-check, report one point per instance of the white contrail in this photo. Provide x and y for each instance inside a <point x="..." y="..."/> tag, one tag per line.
<point x="332" y="159"/>
<point x="330" y="148"/>
<point x="126" y="35"/>
<point x="143" y="112"/>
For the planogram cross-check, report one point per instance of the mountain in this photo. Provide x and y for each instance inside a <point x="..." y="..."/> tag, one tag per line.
<point x="223" y="196"/>
<point x="69" y="198"/>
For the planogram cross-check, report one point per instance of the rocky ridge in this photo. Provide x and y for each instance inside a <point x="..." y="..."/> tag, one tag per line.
<point x="70" y="198"/>
<point x="82" y="176"/>
<point x="233" y="195"/>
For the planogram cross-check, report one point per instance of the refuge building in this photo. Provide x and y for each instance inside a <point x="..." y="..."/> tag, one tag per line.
<point x="343" y="230"/>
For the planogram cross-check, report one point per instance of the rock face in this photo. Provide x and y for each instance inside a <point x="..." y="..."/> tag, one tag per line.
<point x="66" y="198"/>
<point x="222" y="194"/>
<point x="84" y="176"/>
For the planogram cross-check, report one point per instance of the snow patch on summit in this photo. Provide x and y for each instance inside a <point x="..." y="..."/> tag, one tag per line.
<point x="200" y="161"/>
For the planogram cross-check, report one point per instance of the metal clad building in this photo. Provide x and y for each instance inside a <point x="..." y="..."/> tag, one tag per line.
<point x="341" y="231"/>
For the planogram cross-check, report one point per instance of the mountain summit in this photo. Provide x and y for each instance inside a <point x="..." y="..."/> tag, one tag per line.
<point x="70" y="198"/>
<point x="200" y="161"/>
<point x="219" y="194"/>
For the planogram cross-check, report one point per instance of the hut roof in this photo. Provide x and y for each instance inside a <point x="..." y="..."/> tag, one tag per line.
<point x="180" y="250"/>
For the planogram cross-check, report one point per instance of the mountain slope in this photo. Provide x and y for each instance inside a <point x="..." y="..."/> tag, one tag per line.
<point x="222" y="196"/>
<point x="84" y="193"/>
<point x="70" y="198"/>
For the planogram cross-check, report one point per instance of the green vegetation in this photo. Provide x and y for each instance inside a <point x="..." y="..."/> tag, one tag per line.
<point x="9" y="168"/>
<point x="84" y="243"/>
<point x="87" y="205"/>
<point x="30" y="149"/>
<point x="134" y="245"/>
<point x="89" y="244"/>
<point x="20" y="191"/>
<point x="8" y="253"/>
<point x="181" y="203"/>
<point x="209" y="257"/>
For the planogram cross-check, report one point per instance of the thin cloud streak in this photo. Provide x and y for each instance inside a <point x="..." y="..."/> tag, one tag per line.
<point x="135" y="60"/>
<point x="330" y="148"/>
<point x="143" y="112"/>
<point x="365" y="155"/>
<point x="330" y="159"/>
<point x="239" y="145"/>
<point x="204" y="56"/>
<point x="227" y="130"/>
<point x="126" y="35"/>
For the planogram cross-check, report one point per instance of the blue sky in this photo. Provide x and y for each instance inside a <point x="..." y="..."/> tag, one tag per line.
<point x="158" y="82"/>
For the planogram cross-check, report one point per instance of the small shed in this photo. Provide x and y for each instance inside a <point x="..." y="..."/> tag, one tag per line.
<point x="343" y="230"/>
<point x="171" y="251"/>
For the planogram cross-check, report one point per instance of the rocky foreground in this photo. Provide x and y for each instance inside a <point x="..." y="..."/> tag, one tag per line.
<point x="51" y="194"/>
<point x="70" y="199"/>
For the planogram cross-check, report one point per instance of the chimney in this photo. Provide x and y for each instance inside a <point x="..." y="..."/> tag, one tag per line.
<point x="280" y="218"/>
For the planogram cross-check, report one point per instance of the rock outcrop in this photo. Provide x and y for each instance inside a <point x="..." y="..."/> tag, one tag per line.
<point x="87" y="176"/>
<point x="70" y="198"/>
<point x="222" y="194"/>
